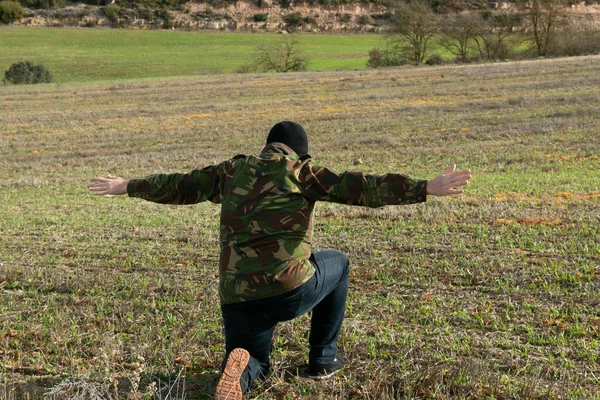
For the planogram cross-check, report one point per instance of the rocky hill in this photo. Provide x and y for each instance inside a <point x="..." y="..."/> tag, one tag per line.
<point x="242" y="16"/>
<point x="248" y="16"/>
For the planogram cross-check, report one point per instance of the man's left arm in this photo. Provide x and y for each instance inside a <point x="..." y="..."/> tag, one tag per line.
<point x="357" y="188"/>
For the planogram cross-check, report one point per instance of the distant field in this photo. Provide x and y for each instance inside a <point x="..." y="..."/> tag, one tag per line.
<point x="104" y="54"/>
<point x="494" y="294"/>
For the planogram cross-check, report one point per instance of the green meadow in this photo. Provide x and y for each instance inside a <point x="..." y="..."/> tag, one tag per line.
<point x="494" y="294"/>
<point x="75" y="55"/>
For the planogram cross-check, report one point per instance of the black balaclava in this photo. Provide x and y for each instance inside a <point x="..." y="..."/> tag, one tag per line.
<point x="290" y="134"/>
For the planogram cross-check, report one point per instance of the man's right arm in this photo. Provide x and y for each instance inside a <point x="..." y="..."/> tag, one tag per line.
<point x="358" y="188"/>
<point x="194" y="187"/>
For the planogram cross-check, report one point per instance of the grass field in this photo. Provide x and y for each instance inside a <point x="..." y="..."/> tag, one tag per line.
<point x="102" y="54"/>
<point x="493" y="294"/>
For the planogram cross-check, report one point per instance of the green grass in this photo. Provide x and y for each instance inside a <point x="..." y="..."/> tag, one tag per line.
<point x="493" y="294"/>
<point x="109" y="54"/>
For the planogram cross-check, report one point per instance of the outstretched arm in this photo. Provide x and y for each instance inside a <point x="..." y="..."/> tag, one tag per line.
<point x="446" y="183"/>
<point x="108" y="186"/>
<point x="358" y="188"/>
<point x="194" y="187"/>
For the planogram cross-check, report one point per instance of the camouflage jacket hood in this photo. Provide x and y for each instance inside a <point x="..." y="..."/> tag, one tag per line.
<point x="267" y="204"/>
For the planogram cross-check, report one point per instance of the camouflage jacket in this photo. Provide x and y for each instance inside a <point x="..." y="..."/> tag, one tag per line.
<point x="267" y="203"/>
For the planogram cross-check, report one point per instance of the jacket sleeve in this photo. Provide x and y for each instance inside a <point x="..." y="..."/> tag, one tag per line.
<point x="194" y="187"/>
<point x="358" y="188"/>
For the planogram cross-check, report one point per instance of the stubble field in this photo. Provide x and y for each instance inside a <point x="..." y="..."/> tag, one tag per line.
<point x="492" y="294"/>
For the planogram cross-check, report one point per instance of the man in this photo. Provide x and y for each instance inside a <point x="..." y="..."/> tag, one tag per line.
<point x="267" y="271"/>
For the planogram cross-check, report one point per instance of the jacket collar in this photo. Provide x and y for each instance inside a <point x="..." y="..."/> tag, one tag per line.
<point x="280" y="149"/>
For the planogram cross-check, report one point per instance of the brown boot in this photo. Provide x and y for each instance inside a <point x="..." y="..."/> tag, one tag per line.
<point x="229" y="387"/>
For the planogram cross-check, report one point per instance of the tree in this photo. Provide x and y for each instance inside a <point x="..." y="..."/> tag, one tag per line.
<point x="494" y="41"/>
<point x="459" y="32"/>
<point x="544" y="17"/>
<point x="283" y="57"/>
<point x="415" y="25"/>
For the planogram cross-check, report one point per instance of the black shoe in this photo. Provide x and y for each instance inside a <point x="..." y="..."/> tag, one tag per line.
<point x="324" y="371"/>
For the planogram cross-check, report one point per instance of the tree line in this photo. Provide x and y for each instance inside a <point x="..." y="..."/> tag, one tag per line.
<point x="529" y="28"/>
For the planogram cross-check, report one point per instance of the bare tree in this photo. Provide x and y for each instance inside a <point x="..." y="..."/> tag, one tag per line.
<point x="282" y="57"/>
<point x="460" y="32"/>
<point x="496" y="40"/>
<point x="544" y="17"/>
<point x="415" y="26"/>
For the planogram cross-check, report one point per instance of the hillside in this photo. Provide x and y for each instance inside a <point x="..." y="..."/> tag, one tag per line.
<point x="265" y="16"/>
<point x="241" y="16"/>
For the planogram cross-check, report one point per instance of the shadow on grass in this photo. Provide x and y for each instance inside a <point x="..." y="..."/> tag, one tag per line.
<point x="296" y="371"/>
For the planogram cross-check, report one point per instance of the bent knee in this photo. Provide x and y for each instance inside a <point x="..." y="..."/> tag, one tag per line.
<point x="341" y="259"/>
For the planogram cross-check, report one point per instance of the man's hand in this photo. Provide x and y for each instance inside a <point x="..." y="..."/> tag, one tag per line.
<point x="108" y="186"/>
<point x="447" y="182"/>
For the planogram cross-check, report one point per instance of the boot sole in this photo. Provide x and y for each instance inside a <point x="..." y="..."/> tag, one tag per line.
<point x="229" y="387"/>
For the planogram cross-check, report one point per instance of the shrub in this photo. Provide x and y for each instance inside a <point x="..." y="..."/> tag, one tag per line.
<point x="364" y="20"/>
<point x="375" y="58"/>
<point x="385" y="16"/>
<point x="145" y="13"/>
<point x="260" y="17"/>
<point x="164" y="12"/>
<point x="435" y="59"/>
<point x="10" y="12"/>
<point x="385" y="58"/>
<point x="294" y="19"/>
<point x="345" y="18"/>
<point x="486" y="15"/>
<point x="477" y="4"/>
<point x="112" y="12"/>
<point x="47" y="4"/>
<point x="575" y="43"/>
<point x="24" y="72"/>
<point x="245" y="69"/>
<point x="309" y="20"/>
<point x="219" y="3"/>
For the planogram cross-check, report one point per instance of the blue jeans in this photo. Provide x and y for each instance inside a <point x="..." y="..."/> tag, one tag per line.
<point x="250" y="324"/>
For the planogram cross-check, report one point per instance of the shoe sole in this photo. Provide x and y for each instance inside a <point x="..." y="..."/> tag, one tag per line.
<point x="325" y="376"/>
<point x="229" y="387"/>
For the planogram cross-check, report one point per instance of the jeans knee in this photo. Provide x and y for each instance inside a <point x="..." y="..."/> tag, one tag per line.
<point x="333" y="260"/>
<point x="344" y="262"/>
